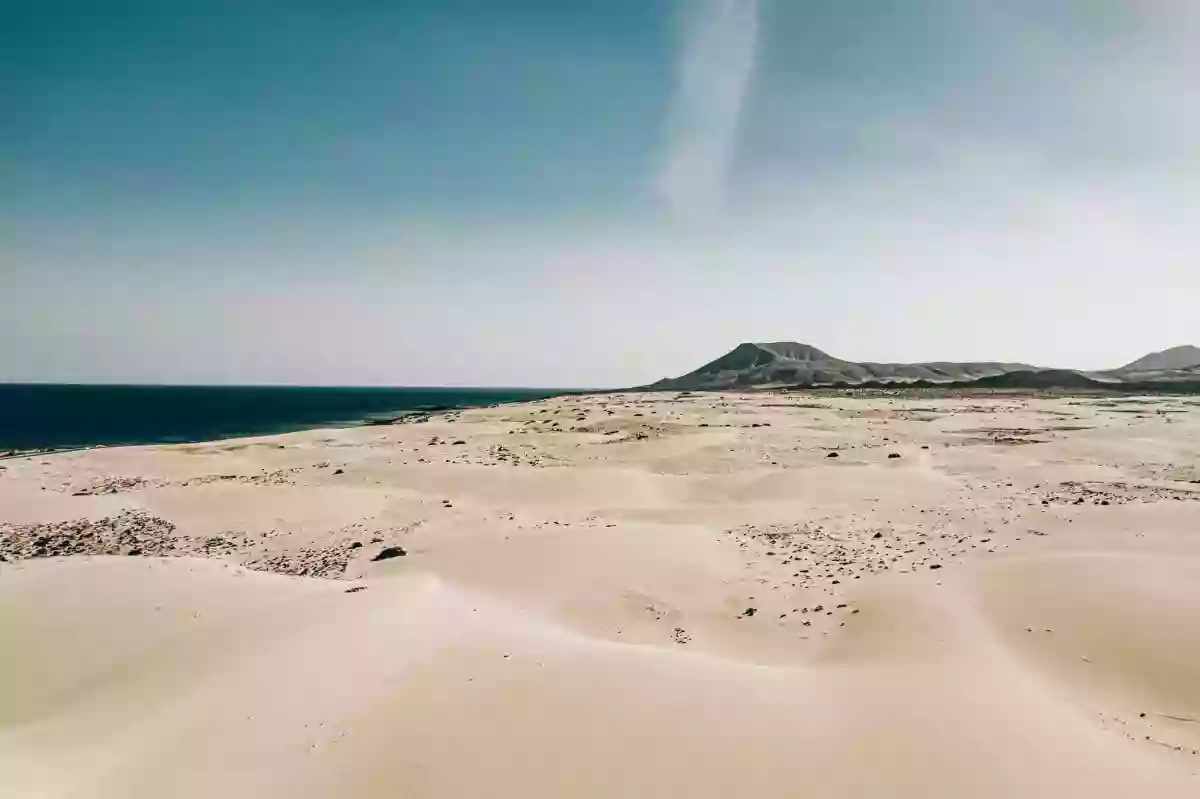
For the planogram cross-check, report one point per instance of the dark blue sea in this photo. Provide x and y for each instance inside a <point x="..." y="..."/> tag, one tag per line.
<point x="49" y="416"/>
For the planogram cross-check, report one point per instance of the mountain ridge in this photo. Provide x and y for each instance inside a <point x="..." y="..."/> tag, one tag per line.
<point x="790" y="363"/>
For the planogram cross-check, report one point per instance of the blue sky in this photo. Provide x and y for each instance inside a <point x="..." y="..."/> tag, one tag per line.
<point x="596" y="192"/>
<point x="439" y="108"/>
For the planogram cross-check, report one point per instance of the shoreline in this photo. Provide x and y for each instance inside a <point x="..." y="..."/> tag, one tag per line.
<point x="368" y="419"/>
<point x="386" y="418"/>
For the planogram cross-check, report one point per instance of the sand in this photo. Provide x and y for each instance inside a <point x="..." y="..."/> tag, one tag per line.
<point x="624" y="595"/>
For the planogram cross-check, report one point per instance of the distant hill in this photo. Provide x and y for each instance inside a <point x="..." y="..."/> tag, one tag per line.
<point x="1045" y="378"/>
<point x="1067" y="379"/>
<point x="787" y="364"/>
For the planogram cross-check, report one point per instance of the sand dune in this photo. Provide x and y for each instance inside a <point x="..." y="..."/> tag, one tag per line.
<point x="701" y="603"/>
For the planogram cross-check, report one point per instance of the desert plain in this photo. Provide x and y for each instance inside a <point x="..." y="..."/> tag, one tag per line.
<point x="761" y="594"/>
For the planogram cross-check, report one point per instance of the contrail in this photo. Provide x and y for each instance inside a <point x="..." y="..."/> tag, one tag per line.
<point x="715" y="65"/>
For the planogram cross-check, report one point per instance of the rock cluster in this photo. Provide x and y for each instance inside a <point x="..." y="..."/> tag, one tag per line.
<point x="135" y="532"/>
<point x="128" y="533"/>
<point x="1114" y="493"/>
<point x="328" y="562"/>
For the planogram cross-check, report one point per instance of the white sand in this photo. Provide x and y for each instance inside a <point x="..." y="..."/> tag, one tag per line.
<point x="571" y="615"/>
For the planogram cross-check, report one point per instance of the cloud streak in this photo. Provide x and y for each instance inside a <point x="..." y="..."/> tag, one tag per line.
<point x="714" y="71"/>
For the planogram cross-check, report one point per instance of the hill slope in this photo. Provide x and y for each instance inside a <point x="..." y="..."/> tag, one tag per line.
<point x="1175" y="358"/>
<point x="1173" y="365"/>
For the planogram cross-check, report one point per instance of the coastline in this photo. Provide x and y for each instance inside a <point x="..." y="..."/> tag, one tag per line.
<point x="32" y="416"/>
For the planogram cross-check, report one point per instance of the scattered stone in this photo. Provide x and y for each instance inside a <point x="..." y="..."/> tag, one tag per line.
<point x="114" y="485"/>
<point x="387" y="553"/>
<point x="278" y="477"/>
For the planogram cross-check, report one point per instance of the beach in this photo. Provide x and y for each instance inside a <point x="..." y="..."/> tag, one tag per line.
<point x="765" y="594"/>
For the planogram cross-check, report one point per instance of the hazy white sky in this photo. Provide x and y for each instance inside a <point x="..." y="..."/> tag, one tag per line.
<point x="601" y="194"/>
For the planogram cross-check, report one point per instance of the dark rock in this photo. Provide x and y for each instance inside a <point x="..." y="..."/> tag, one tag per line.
<point x="893" y="455"/>
<point x="388" y="553"/>
<point x="339" y="471"/>
<point x="877" y="535"/>
<point x="936" y="566"/>
<point x="833" y="455"/>
<point x="356" y="545"/>
<point x="749" y="612"/>
<point x="356" y="589"/>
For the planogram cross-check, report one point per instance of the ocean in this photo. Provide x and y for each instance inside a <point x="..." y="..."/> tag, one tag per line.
<point x="53" y="416"/>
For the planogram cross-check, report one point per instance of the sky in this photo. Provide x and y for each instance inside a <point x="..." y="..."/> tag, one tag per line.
<point x="592" y="193"/>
